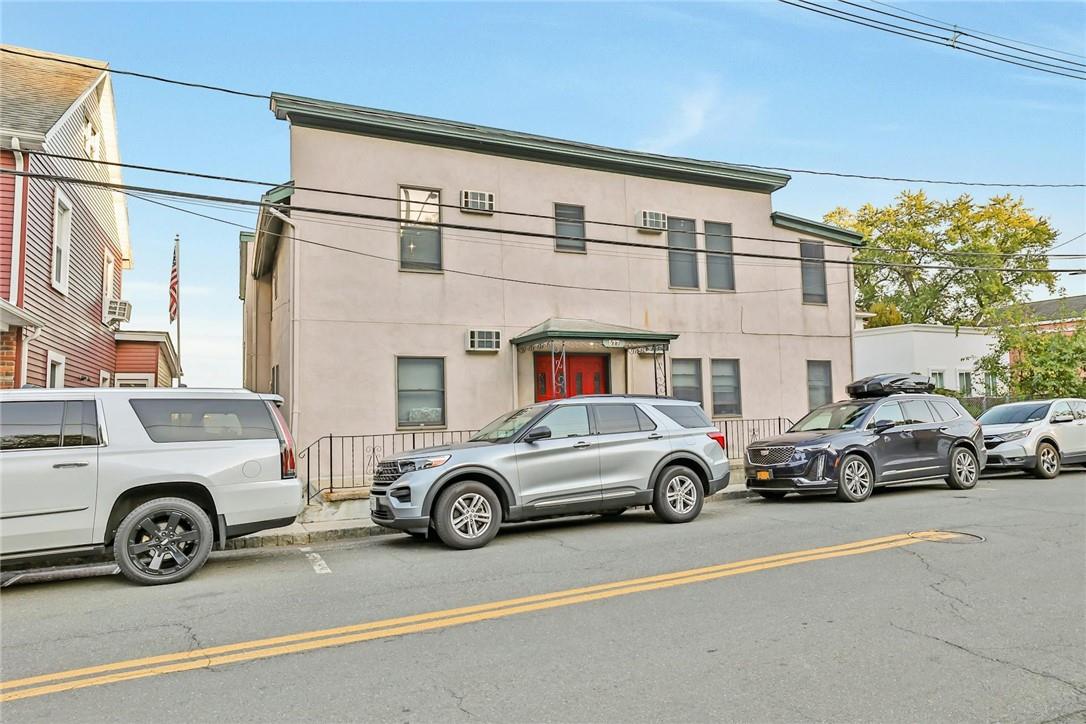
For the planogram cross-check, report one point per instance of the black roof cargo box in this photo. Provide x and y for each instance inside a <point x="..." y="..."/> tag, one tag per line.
<point x="889" y="384"/>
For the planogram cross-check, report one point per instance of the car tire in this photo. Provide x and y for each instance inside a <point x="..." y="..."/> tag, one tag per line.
<point x="856" y="479"/>
<point x="1048" y="461"/>
<point x="467" y="515"/>
<point x="964" y="469"/>
<point x="164" y="540"/>
<point x="612" y="513"/>
<point x="771" y="494"/>
<point x="678" y="495"/>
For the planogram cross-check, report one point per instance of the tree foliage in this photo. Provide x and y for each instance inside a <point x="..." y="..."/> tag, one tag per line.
<point x="958" y="233"/>
<point x="1035" y="363"/>
<point x="886" y="315"/>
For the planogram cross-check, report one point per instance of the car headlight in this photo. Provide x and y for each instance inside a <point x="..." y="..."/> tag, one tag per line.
<point x="1017" y="435"/>
<point x="413" y="464"/>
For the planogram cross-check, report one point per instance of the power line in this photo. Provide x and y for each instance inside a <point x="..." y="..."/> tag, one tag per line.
<point x="870" y="177"/>
<point x="1068" y="241"/>
<point x="525" y="214"/>
<point x="978" y="32"/>
<point x="514" y="232"/>
<point x="919" y="35"/>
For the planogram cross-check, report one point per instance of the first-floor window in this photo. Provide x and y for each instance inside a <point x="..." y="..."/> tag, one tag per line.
<point x="686" y="379"/>
<point x="965" y="383"/>
<point x="726" y="397"/>
<point x="938" y="378"/>
<point x="991" y="384"/>
<point x="54" y="369"/>
<point x="819" y="383"/>
<point x="103" y="378"/>
<point x="420" y="391"/>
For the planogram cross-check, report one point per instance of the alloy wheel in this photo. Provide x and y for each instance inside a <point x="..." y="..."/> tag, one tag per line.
<point x="681" y="493"/>
<point x="163" y="542"/>
<point x="965" y="468"/>
<point x="1049" y="461"/>
<point x="471" y="515"/>
<point x="857" y="478"/>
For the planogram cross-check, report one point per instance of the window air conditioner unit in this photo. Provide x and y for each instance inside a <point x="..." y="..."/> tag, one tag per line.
<point x="653" y="221"/>
<point x="118" y="310"/>
<point x="483" y="340"/>
<point x="477" y="202"/>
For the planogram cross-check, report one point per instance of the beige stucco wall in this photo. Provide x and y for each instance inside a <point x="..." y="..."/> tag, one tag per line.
<point x="356" y="313"/>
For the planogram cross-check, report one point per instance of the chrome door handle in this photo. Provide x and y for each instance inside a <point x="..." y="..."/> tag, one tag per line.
<point x="63" y="466"/>
<point x="581" y="445"/>
<point x="655" y="436"/>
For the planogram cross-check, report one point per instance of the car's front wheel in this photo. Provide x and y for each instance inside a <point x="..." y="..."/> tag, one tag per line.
<point x="964" y="469"/>
<point x="1048" y="461"/>
<point x="856" y="481"/>
<point x="678" y="496"/>
<point x="165" y="540"/>
<point x="467" y="515"/>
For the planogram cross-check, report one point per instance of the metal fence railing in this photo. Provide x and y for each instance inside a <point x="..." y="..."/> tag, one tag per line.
<point x="977" y="405"/>
<point x="349" y="461"/>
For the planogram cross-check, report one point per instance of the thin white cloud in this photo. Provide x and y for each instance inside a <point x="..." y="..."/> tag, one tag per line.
<point x="687" y="122"/>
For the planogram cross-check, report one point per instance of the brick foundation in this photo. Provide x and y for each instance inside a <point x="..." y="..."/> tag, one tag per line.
<point x="9" y="357"/>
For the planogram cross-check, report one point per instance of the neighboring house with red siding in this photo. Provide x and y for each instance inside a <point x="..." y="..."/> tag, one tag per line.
<point x="63" y="245"/>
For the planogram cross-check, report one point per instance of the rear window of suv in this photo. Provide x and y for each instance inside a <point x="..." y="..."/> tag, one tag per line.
<point x="190" y="420"/>
<point x="689" y="416"/>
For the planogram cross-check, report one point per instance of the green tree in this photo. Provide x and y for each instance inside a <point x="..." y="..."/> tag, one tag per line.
<point x="886" y="315"/>
<point x="956" y="234"/>
<point x="1034" y="363"/>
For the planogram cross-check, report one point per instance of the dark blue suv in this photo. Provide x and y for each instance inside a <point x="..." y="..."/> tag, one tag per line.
<point x="891" y="431"/>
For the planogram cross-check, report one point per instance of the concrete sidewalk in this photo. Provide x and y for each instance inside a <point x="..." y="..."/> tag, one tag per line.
<point x="353" y="521"/>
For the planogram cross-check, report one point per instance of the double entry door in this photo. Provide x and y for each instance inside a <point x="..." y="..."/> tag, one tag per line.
<point x="585" y="374"/>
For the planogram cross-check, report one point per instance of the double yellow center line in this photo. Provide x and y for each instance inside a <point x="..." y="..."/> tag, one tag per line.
<point x="309" y="640"/>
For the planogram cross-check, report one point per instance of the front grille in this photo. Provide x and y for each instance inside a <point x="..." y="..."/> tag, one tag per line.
<point x="387" y="472"/>
<point x="770" y="455"/>
<point x="381" y="513"/>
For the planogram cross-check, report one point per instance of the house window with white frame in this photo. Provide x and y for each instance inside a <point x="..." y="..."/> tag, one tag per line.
<point x="54" y="370"/>
<point x="965" y="382"/>
<point x="686" y="380"/>
<point x="62" y="241"/>
<point x="420" y="237"/>
<point x="92" y="139"/>
<point x="420" y="392"/>
<point x="103" y="378"/>
<point x="938" y="378"/>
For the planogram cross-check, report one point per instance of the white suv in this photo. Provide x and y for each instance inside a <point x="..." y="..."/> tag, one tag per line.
<point x="158" y="474"/>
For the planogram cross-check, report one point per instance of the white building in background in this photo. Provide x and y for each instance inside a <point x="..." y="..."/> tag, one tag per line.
<point x="946" y="354"/>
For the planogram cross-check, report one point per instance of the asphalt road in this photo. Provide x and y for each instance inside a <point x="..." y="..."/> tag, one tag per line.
<point x="894" y="628"/>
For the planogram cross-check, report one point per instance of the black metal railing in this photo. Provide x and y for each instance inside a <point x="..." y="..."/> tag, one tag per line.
<point x="741" y="432"/>
<point x="350" y="461"/>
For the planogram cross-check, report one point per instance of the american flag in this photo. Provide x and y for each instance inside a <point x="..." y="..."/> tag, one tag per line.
<point x="174" y="291"/>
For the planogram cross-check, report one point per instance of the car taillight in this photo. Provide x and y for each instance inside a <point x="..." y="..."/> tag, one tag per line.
<point x="719" y="438"/>
<point x="287" y="466"/>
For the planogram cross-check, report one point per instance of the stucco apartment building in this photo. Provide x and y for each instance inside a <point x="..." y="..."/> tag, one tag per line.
<point x="469" y="270"/>
<point x="64" y="246"/>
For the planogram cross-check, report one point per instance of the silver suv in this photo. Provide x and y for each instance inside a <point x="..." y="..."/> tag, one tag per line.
<point x="1040" y="436"/>
<point x="591" y="454"/>
<point x="156" y="476"/>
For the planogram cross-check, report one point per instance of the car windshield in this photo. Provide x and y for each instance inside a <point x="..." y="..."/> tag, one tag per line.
<point x="1015" y="414"/>
<point x="507" y="426"/>
<point x="839" y="416"/>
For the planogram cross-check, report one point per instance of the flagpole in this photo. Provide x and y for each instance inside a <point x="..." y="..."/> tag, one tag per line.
<point x="177" y="255"/>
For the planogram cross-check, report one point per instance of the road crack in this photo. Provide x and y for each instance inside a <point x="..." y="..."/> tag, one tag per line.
<point x="459" y="701"/>
<point x="1013" y="664"/>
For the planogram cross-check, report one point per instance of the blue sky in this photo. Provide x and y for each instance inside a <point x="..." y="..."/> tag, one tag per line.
<point x="754" y="82"/>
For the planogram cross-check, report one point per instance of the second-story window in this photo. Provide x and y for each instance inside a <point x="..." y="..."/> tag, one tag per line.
<point x="569" y="227"/>
<point x="719" y="268"/>
<point x="62" y="241"/>
<point x="813" y="270"/>
<point x="420" y="239"/>
<point x="682" y="265"/>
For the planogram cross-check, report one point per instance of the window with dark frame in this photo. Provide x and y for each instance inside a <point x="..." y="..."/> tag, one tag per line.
<point x="819" y="383"/>
<point x="727" y="399"/>
<point x="682" y="264"/>
<point x="686" y="379"/>
<point x="420" y="239"/>
<point x="569" y="234"/>
<point x="420" y="391"/>
<point x="813" y="271"/>
<point x="719" y="268"/>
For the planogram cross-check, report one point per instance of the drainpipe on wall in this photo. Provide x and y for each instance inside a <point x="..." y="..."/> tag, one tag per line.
<point x="17" y="223"/>
<point x="294" y="411"/>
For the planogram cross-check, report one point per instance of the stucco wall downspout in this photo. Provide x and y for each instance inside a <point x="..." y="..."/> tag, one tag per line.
<point x="295" y="413"/>
<point x="17" y="224"/>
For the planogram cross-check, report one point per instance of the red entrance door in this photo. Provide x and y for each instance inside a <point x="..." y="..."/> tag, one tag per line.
<point x="586" y="374"/>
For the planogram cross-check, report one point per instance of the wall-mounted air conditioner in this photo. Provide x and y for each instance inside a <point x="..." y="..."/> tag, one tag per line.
<point x="483" y="340"/>
<point x="653" y="221"/>
<point x="477" y="202"/>
<point x="118" y="310"/>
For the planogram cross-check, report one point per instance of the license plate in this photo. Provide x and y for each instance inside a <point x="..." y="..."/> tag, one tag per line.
<point x="763" y="474"/>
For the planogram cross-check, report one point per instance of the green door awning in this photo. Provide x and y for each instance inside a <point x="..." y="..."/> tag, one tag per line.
<point x="557" y="328"/>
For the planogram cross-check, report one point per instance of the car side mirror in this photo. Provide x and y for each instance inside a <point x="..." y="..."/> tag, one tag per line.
<point x="538" y="433"/>
<point x="1063" y="417"/>
<point x="883" y="425"/>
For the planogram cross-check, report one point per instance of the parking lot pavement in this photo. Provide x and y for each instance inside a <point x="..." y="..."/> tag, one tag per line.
<point x="804" y="609"/>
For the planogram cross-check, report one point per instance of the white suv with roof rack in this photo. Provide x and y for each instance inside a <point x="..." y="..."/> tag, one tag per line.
<point x="157" y="475"/>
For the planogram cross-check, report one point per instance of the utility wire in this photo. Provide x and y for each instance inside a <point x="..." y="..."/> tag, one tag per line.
<point x="919" y="35"/>
<point x="525" y="214"/>
<point x="978" y="32"/>
<point x="745" y="165"/>
<point x="514" y="232"/>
